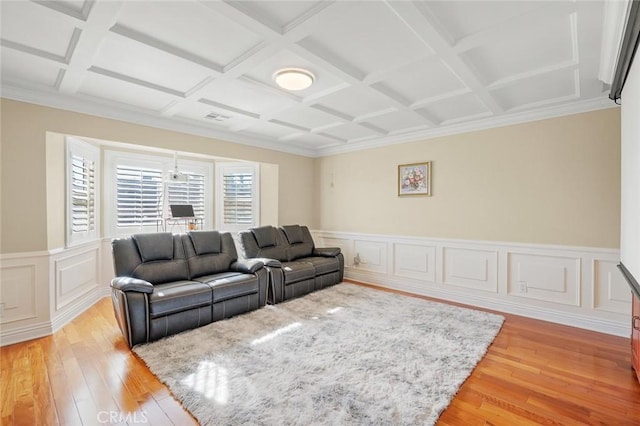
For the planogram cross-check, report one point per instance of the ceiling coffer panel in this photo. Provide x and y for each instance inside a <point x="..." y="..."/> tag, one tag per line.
<point x="383" y="71"/>
<point x="190" y="27"/>
<point x="21" y="68"/>
<point x="39" y="29"/>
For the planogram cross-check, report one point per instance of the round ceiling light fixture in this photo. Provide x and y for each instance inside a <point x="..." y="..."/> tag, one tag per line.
<point x="293" y="78"/>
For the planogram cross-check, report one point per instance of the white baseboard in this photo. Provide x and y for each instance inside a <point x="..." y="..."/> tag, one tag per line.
<point x="35" y="331"/>
<point x="574" y="320"/>
<point x="79" y="306"/>
<point x="24" y="333"/>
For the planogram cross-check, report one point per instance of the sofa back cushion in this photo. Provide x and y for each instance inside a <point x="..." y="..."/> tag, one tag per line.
<point x="266" y="236"/>
<point x="206" y="242"/>
<point x="208" y="252"/>
<point x="300" y="241"/>
<point x="293" y="233"/>
<point x="156" y="246"/>
<point x="265" y="241"/>
<point x="137" y="257"/>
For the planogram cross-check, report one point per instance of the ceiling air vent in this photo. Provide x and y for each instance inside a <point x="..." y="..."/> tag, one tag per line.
<point x="217" y="117"/>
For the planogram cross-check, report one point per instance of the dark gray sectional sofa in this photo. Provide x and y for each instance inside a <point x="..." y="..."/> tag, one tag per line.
<point x="296" y="266"/>
<point x="169" y="283"/>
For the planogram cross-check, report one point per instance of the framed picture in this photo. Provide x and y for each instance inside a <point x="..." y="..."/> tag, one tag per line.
<point x="414" y="179"/>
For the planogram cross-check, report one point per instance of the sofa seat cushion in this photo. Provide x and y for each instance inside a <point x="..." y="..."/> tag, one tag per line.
<point x="297" y="271"/>
<point x="324" y="265"/>
<point x="229" y="285"/>
<point x="178" y="296"/>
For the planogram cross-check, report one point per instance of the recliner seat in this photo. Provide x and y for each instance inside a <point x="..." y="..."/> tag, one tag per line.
<point x="168" y="283"/>
<point x="296" y="267"/>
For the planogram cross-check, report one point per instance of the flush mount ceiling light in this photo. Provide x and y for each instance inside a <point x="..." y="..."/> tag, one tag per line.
<point x="293" y="78"/>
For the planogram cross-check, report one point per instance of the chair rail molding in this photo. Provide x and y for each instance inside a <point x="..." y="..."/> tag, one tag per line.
<point x="576" y="286"/>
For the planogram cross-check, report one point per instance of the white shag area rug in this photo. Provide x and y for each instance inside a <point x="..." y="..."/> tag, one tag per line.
<point x="345" y="355"/>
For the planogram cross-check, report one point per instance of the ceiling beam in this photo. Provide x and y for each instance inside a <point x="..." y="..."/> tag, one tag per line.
<point x="100" y="18"/>
<point x="420" y="19"/>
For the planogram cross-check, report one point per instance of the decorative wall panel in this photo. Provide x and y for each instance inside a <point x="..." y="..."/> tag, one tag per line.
<point x="471" y="268"/>
<point x="76" y="275"/>
<point x="18" y="293"/>
<point x="611" y="293"/>
<point x="554" y="279"/>
<point x="371" y="255"/>
<point x="414" y="261"/>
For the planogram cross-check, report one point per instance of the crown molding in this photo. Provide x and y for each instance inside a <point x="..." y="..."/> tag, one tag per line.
<point x="480" y="124"/>
<point x="116" y="111"/>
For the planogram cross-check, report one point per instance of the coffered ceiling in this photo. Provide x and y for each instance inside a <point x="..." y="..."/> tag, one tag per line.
<point x="385" y="71"/>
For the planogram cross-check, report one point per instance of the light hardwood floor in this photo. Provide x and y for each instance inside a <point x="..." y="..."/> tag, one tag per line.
<point x="534" y="373"/>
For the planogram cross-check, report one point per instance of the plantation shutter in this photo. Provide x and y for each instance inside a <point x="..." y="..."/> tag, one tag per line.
<point x="238" y="198"/>
<point x="190" y="192"/>
<point x="82" y="186"/>
<point x="138" y="196"/>
<point x="237" y="195"/>
<point x="83" y="196"/>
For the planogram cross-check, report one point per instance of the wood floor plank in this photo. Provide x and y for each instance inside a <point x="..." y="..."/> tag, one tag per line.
<point x="7" y="356"/>
<point x="45" y="412"/>
<point x="535" y="372"/>
<point x="23" y="408"/>
<point x="62" y="394"/>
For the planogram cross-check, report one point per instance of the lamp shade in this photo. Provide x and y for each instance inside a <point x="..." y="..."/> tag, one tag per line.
<point x="293" y="78"/>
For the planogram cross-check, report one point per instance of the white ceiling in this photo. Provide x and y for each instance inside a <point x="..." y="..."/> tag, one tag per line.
<point x="386" y="71"/>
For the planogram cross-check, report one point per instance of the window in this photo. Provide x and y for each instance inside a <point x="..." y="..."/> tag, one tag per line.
<point x="82" y="191"/>
<point x="138" y="196"/>
<point x="237" y="190"/>
<point x="139" y="192"/>
<point x="190" y="192"/>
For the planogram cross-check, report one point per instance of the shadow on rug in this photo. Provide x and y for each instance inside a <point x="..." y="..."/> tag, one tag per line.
<point x="343" y="355"/>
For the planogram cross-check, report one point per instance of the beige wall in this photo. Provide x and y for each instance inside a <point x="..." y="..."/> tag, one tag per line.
<point x="55" y="187"/>
<point x="25" y="223"/>
<point x="553" y="181"/>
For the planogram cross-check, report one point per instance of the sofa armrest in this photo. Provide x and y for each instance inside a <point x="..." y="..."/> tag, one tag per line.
<point x="131" y="284"/>
<point x="326" y="251"/>
<point x="272" y="263"/>
<point x="247" y="266"/>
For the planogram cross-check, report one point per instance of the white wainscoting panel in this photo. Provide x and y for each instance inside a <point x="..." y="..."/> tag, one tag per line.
<point x="24" y="293"/>
<point x="554" y="279"/>
<point x="76" y="274"/>
<point x="611" y="292"/>
<point x="470" y="268"/>
<point x="414" y="261"/>
<point x="344" y="245"/>
<point x="43" y="291"/>
<point x="371" y="254"/>
<point x="576" y="286"/>
<point x="18" y="293"/>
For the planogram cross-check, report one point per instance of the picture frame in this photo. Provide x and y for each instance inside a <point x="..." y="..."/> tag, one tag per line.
<point x="414" y="179"/>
